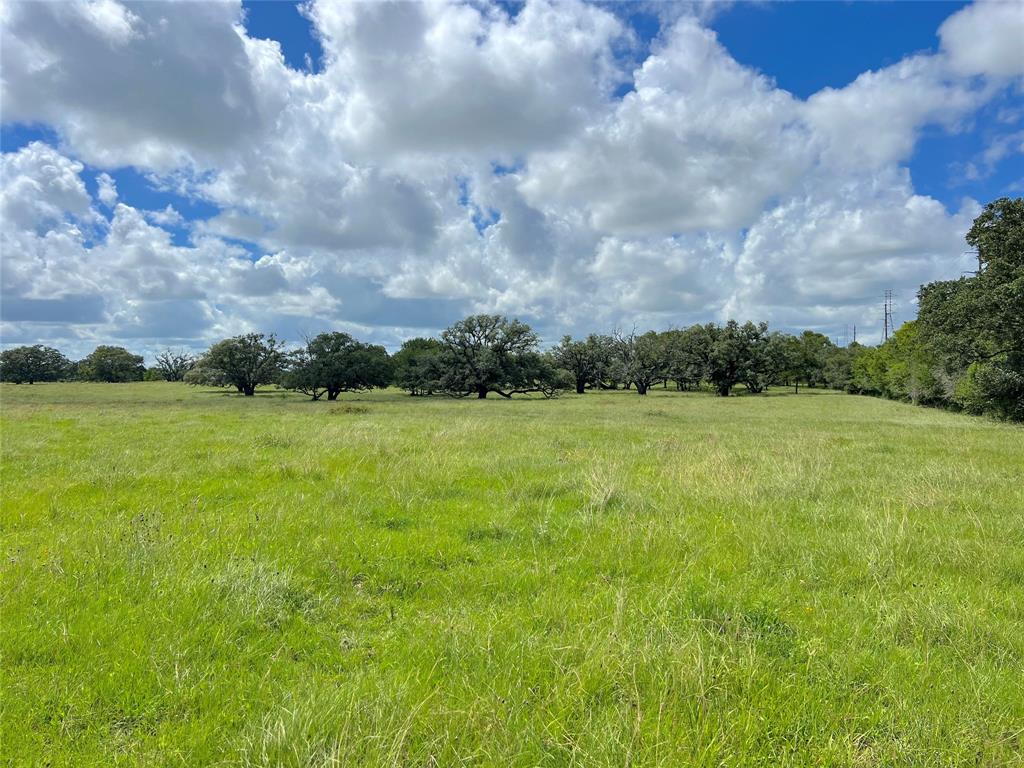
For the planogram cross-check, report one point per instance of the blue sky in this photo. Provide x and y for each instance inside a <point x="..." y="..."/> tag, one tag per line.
<point x="711" y="153"/>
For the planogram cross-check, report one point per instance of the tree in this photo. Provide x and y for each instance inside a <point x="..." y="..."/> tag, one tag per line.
<point x="416" y="366"/>
<point x="490" y="353"/>
<point x="332" y="363"/>
<point x="732" y="358"/>
<point x="247" y="361"/>
<point x="839" y="366"/>
<point x="687" y="353"/>
<point x="202" y="375"/>
<point x="585" y="361"/>
<point x="174" y="364"/>
<point x="32" y="364"/>
<point x="112" y="364"/>
<point x="783" y="350"/>
<point x="974" y="326"/>
<point x="643" y="359"/>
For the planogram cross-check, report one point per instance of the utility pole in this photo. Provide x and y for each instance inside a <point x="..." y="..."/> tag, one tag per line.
<point x="854" y="333"/>
<point x="887" y="324"/>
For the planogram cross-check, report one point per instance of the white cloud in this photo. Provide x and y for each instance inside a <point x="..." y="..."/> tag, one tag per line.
<point x="875" y="120"/>
<point x="107" y="189"/>
<point x="158" y="86"/>
<point x="369" y="190"/>
<point x="986" y="39"/>
<point x="702" y="143"/>
<point x="41" y="188"/>
<point x="439" y="77"/>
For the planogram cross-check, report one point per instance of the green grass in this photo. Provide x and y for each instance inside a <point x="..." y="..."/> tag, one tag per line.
<point x="194" y="578"/>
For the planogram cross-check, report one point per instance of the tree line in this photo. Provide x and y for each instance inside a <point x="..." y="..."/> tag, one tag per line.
<point x="965" y="351"/>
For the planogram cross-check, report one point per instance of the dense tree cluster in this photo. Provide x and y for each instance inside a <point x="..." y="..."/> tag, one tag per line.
<point x="965" y="351"/>
<point x="966" y="348"/>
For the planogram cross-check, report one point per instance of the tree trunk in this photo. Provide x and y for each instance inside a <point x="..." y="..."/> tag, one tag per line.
<point x="723" y="390"/>
<point x="333" y="394"/>
<point x="249" y="391"/>
<point x="481" y="393"/>
<point x="581" y="386"/>
<point x="641" y="389"/>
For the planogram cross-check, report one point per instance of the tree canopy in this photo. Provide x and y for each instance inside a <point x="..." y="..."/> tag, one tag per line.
<point x="247" y="361"/>
<point x="490" y="353"/>
<point x="112" y="364"/>
<point x="332" y="363"/>
<point x="31" y="364"/>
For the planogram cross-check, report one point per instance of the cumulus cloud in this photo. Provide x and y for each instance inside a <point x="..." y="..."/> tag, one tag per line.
<point x="463" y="157"/>
<point x="985" y="39"/>
<point x="437" y="77"/>
<point x="106" y="189"/>
<point x="701" y="143"/>
<point x="156" y="85"/>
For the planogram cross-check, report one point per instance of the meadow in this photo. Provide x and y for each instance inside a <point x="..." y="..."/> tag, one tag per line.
<point x="190" y="578"/>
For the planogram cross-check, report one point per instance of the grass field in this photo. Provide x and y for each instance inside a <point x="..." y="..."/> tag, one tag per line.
<point x="194" y="578"/>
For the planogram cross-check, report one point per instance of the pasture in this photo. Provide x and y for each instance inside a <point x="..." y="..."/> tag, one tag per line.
<point x="190" y="577"/>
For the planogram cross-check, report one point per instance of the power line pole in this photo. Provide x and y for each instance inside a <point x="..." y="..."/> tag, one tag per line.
<point x="854" y="333"/>
<point x="887" y="324"/>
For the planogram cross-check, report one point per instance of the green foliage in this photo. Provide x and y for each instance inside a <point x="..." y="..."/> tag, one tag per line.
<point x="974" y="326"/>
<point x="643" y="359"/>
<point x="246" y="362"/>
<point x="737" y="356"/>
<point x="490" y="353"/>
<point x="688" y="355"/>
<point x="586" y="362"/>
<point x="903" y="368"/>
<point x="174" y="364"/>
<point x="332" y="363"/>
<point x="992" y="388"/>
<point x="111" y="364"/>
<point x="416" y="367"/>
<point x="203" y="375"/>
<point x="31" y="364"/>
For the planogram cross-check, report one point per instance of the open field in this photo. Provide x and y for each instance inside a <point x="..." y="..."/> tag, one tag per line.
<point x="194" y="578"/>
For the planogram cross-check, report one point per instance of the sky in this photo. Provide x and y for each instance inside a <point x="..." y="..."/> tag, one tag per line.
<point x="173" y="174"/>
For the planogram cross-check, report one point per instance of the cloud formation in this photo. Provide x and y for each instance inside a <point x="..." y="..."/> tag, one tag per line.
<point x="451" y="158"/>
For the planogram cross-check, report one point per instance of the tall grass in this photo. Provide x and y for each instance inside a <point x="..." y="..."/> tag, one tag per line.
<point x="194" y="578"/>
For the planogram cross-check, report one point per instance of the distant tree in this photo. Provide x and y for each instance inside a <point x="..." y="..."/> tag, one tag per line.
<point x="585" y="361"/>
<point x="733" y="354"/>
<point x="815" y="349"/>
<point x="784" y="353"/>
<point x="174" y="364"/>
<point x="490" y="353"/>
<point x="839" y="366"/>
<point x="643" y="358"/>
<point x="763" y="366"/>
<point x="202" y="375"/>
<point x="687" y="353"/>
<point x="32" y="364"/>
<point x="112" y="364"/>
<point x="247" y="361"/>
<point x="153" y="374"/>
<point x="416" y="367"/>
<point x="332" y="363"/>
